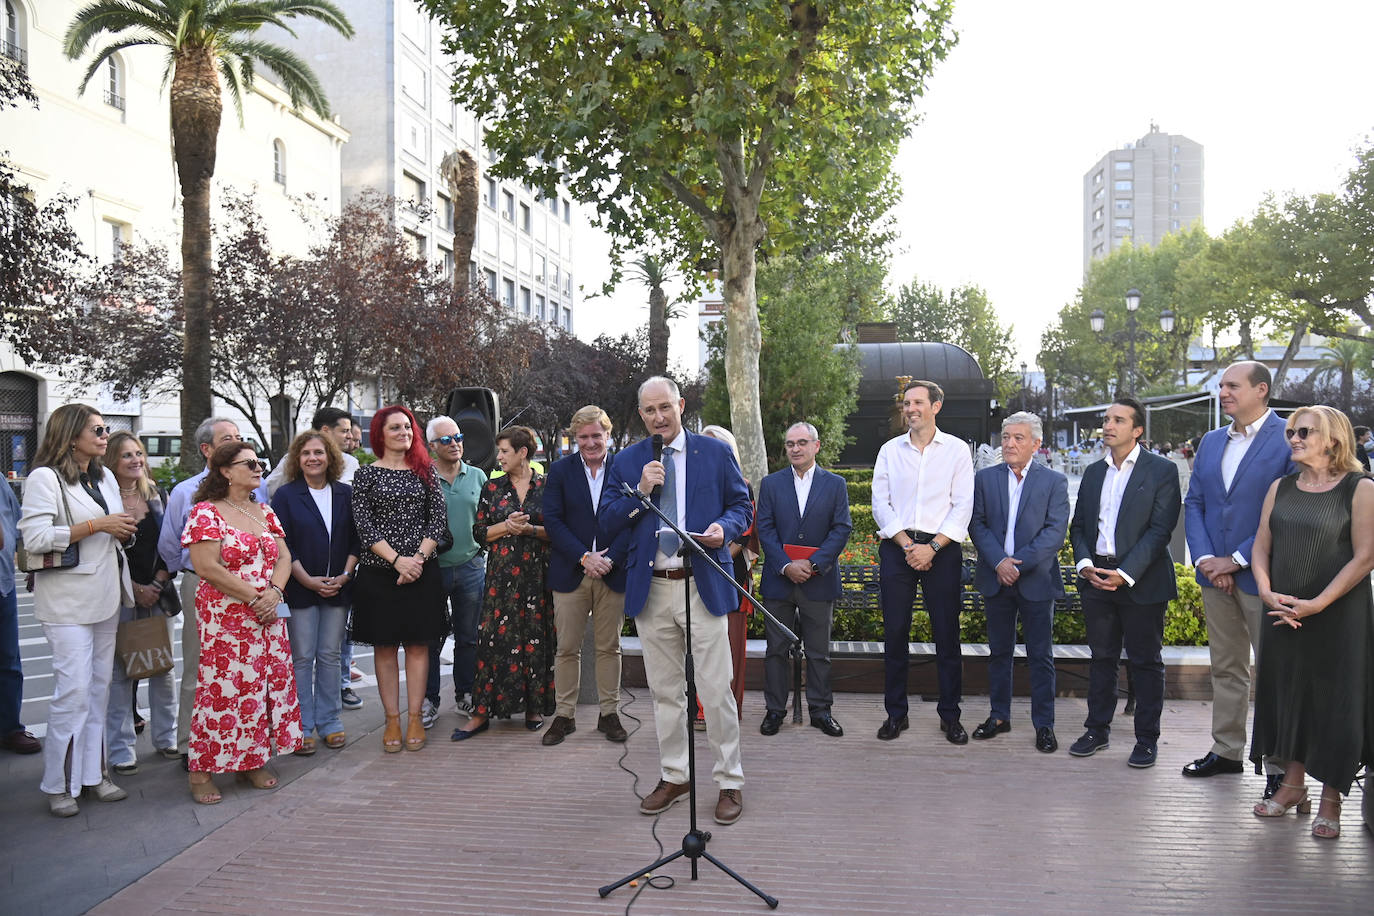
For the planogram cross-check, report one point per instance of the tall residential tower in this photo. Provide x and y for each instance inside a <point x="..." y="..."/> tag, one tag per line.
<point x="1141" y="192"/>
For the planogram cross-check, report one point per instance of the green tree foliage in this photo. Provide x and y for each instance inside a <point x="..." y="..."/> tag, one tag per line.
<point x="806" y="306"/>
<point x="707" y="130"/>
<point x="962" y="316"/>
<point x="205" y="41"/>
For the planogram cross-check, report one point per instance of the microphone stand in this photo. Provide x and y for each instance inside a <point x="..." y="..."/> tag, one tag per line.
<point x="695" y="840"/>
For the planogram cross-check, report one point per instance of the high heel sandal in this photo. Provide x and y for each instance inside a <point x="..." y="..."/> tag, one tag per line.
<point x="204" y="793"/>
<point x="260" y="778"/>
<point x="1325" y="828"/>
<point x="415" y="732"/>
<point x="1271" y="807"/>
<point x="391" y="737"/>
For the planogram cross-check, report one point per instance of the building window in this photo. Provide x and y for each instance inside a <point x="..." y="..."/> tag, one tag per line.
<point x="1173" y="205"/>
<point x="491" y="193"/>
<point x="1097" y="232"/>
<point x="1122" y="204"/>
<point x="541" y="268"/>
<point x="1097" y="215"/>
<point x="1097" y="250"/>
<point x="508" y="293"/>
<point x="117" y="240"/>
<point x="1122" y="165"/>
<point x="1175" y="149"/>
<point x="417" y="244"/>
<point x="567" y="319"/>
<point x="1124" y="185"/>
<point x="553" y="280"/>
<point x="412" y="189"/>
<point x="279" y="162"/>
<point x="1173" y="225"/>
<point x="1121" y="224"/>
<point x="1175" y="168"/>
<point x="553" y="313"/>
<point x="567" y="213"/>
<point x="567" y="287"/>
<point x="1097" y="195"/>
<point x="445" y="212"/>
<point x="13" y="42"/>
<point x="525" y="301"/>
<point x="540" y="304"/>
<point x="114" y="83"/>
<point x="1097" y="179"/>
<point x="525" y="218"/>
<point x="553" y="205"/>
<point x="446" y="258"/>
<point x="489" y="280"/>
<point x="508" y="205"/>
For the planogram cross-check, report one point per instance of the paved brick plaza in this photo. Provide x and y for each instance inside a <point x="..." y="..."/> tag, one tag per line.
<point x="502" y="824"/>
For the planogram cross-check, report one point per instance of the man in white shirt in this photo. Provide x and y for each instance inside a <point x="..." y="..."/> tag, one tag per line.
<point x="1232" y="472"/>
<point x="337" y="425"/>
<point x="922" y="501"/>
<point x="1128" y="504"/>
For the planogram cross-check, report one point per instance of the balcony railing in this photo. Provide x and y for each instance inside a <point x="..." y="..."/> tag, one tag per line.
<point x="114" y="100"/>
<point x="15" y="53"/>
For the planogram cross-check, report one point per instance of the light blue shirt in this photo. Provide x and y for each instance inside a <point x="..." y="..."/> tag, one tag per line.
<point x="9" y="524"/>
<point x="169" y="546"/>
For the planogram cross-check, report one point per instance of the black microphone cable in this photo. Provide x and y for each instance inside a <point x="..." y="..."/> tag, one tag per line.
<point x="661" y="882"/>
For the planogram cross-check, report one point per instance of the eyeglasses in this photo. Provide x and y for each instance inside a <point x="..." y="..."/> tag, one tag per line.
<point x="449" y="440"/>
<point x="798" y="443"/>
<point x="1302" y="432"/>
<point x="102" y="431"/>
<point x="252" y="463"/>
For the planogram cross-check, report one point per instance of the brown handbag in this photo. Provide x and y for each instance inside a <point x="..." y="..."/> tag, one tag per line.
<point x="144" y="647"/>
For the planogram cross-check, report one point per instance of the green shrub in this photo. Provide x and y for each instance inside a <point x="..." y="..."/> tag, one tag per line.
<point x="1185" y="622"/>
<point x="168" y="475"/>
<point x="856" y="474"/>
<point x="860" y="493"/>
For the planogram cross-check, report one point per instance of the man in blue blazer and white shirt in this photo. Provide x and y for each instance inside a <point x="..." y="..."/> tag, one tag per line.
<point x="1020" y="516"/>
<point x="705" y="493"/>
<point x="1231" y="474"/>
<point x="802" y="505"/>
<point x="587" y="576"/>
<point x="1128" y="505"/>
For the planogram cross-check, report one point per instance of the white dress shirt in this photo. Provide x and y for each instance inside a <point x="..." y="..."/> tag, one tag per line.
<point x="1238" y="442"/>
<point x="1109" y="507"/>
<point x="679" y="459"/>
<point x="928" y="489"/>
<point x="1014" y="487"/>
<point x="802" y="483"/>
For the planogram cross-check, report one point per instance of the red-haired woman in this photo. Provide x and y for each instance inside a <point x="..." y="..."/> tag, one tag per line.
<point x="398" y="595"/>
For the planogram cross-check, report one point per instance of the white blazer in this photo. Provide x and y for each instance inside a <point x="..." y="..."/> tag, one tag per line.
<point x="91" y="591"/>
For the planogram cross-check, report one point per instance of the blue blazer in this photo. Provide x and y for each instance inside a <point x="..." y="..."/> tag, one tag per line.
<point x="1220" y="521"/>
<point x="570" y="519"/>
<point x="1144" y="526"/>
<point x="716" y="493"/>
<point x="311" y="544"/>
<point x="1042" y="519"/>
<point x="825" y="526"/>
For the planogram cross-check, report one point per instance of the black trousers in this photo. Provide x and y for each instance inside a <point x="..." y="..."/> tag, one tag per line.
<point x="940" y="588"/>
<point x="1114" y="620"/>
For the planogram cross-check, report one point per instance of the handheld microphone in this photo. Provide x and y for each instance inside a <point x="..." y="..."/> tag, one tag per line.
<point x="658" y="456"/>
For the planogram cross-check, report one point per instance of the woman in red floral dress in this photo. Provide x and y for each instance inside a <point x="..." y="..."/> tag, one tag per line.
<point x="515" y="641"/>
<point x="245" y="689"/>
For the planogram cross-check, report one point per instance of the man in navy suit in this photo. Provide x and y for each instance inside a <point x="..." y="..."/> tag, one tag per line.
<point x="1231" y="474"/>
<point x="1128" y="504"/>
<point x="1020" y="515"/>
<point x="656" y="595"/>
<point x="801" y="506"/>
<point x="587" y="576"/>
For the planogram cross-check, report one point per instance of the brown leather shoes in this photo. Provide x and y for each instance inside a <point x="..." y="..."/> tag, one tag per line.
<point x="562" y="727"/>
<point x="610" y="726"/>
<point x="729" y="807"/>
<point x="21" y="742"/>
<point x="665" y="795"/>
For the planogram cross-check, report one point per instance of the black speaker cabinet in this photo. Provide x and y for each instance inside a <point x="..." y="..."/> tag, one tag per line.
<point x="477" y="411"/>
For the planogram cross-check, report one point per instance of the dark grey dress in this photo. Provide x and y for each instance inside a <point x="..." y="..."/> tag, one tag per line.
<point x="1313" y="698"/>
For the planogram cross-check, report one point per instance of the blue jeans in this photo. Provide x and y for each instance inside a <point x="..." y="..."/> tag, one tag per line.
<point x="316" y="633"/>
<point x="346" y="656"/>
<point x="11" y="673"/>
<point x="162" y="703"/>
<point x="1036" y="620"/>
<point x="463" y="586"/>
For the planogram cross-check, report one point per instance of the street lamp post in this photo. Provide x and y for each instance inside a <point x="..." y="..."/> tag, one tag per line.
<point x="1023" y="384"/>
<point x="1167" y="319"/>
<point x="1132" y="303"/>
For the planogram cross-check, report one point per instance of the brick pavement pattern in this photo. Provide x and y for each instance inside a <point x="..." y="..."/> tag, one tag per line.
<point x="501" y="824"/>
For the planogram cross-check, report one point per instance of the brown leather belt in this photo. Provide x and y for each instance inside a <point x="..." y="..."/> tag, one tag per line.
<point x="672" y="573"/>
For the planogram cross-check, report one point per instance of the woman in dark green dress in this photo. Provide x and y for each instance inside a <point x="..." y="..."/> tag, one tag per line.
<point x="1312" y="557"/>
<point x="515" y="641"/>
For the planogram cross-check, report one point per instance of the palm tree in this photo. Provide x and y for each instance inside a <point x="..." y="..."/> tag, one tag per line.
<point x="459" y="169"/>
<point x="205" y="41"/>
<point x="652" y="272"/>
<point x="1341" y="359"/>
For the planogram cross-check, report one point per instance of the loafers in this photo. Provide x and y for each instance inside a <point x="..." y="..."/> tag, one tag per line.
<point x="1272" y="783"/>
<point x="991" y="729"/>
<point x="729" y="807"/>
<point x="21" y="742"/>
<point x="954" y="732"/>
<point x="60" y="804"/>
<point x="609" y="725"/>
<point x="665" y="795"/>
<point x="827" y="724"/>
<point x="772" y="721"/>
<point x="1211" y="765"/>
<point x="891" y="728"/>
<point x="1142" y="757"/>
<point x="1045" y="741"/>
<point x="562" y="727"/>
<point x="463" y="734"/>
<point x="1089" y="744"/>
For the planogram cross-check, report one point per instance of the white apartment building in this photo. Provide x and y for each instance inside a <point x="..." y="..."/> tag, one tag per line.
<point x="391" y="85"/>
<point x="111" y="149"/>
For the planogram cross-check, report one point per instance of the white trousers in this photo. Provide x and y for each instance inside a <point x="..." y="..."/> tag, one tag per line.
<point x="82" y="662"/>
<point x="662" y="634"/>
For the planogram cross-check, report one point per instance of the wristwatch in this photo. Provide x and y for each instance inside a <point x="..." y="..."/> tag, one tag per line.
<point x="934" y="545"/>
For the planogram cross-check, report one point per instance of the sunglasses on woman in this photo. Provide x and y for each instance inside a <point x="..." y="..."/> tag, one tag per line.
<point x="252" y="463"/>
<point x="100" y="432"/>
<point x="1302" y="432"/>
<point x="449" y="440"/>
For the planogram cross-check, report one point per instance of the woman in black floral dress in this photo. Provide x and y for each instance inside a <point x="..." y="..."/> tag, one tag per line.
<point x="515" y="643"/>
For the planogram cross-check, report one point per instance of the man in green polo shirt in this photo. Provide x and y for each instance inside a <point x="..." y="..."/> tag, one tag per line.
<point x="464" y="565"/>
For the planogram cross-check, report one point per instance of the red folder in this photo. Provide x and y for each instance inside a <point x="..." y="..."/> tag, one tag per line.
<point x="798" y="551"/>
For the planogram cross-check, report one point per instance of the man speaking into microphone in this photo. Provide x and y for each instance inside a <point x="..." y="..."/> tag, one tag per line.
<point x="700" y="487"/>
